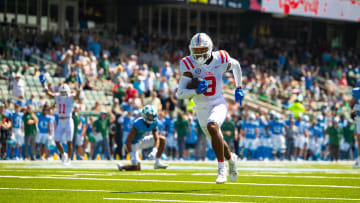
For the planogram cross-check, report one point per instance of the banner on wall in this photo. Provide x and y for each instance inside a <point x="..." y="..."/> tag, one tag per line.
<point x="347" y="10"/>
<point x="245" y="4"/>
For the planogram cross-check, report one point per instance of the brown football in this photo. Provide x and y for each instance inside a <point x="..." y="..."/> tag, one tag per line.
<point x="193" y="84"/>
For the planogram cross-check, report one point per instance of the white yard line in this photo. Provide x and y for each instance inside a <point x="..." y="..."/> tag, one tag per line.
<point x="175" y="193"/>
<point x="178" y="181"/>
<point x="163" y="200"/>
<point x="282" y="176"/>
<point x="47" y="171"/>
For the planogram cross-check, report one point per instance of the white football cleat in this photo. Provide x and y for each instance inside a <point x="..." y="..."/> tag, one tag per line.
<point x="159" y="165"/>
<point x="233" y="174"/>
<point x="66" y="159"/>
<point x="356" y="165"/>
<point x="221" y="178"/>
<point x="119" y="165"/>
<point x="63" y="158"/>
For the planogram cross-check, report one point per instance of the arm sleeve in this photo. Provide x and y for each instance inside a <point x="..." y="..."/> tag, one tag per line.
<point x="236" y="68"/>
<point x="182" y="92"/>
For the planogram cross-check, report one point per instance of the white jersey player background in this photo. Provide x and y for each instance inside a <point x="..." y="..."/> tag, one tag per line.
<point x="213" y="74"/>
<point x="65" y="106"/>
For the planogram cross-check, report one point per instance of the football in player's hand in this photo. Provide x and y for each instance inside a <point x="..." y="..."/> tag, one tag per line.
<point x="194" y="83"/>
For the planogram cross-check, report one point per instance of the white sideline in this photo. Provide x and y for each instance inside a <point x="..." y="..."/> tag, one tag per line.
<point x="178" y="181"/>
<point x="175" y="193"/>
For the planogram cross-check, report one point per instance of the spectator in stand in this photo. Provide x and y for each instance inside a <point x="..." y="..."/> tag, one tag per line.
<point x="118" y="90"/>
<point x="343" y="81"/>
<point x="18" y="87"/>
<point x="130" y="92"/>
<point x="95" y="47"/>
<point x="139" y="84"/>
<point x="131" y="65"/>
<point x="104" y="66"/>
<point x="72" y="79"/>
<point x="82" y="105"/>
<point x="149" y="83"/>
<point x="154" y="101"/>
<point x="41" y="102"/>
<point x="32" y="101"/>
<point x="89" y="86"/>
<point x="171" y="101"/>
<point x="97" y="107"/>
<point x="66" y="61"/>
<point x="167" y="71"/>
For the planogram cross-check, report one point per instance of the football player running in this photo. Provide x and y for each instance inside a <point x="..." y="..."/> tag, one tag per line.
<point x="136" y="140"/>
<point x="211" y="108"/>
<point x="65" y="103"/>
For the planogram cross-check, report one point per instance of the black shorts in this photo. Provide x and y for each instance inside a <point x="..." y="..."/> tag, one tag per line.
<point x="4" y="135"/>
<point x="190" y="146"/>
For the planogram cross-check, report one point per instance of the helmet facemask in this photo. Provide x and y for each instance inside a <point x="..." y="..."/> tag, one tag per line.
<point x="149" y="118"/>
<point x="64" y="91"/>
<point x="201" y="54"/>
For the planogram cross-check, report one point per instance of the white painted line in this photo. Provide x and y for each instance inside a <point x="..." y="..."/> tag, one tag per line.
<point x="178" y="181"/>
<point x="176" y="193"/>
<point x="281" y="176"/>
<point x="162" y="200"/>
<point x="47" y="171"/>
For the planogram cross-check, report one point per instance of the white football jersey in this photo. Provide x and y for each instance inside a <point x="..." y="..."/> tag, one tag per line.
<point x="65" y="105"/>
<point x="212" y="73"/>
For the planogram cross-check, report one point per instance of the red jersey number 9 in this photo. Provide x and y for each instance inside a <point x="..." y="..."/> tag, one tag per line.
<point x="212" y="86"/>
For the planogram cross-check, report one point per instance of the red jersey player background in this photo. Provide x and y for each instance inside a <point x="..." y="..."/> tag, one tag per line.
<point x="211" y="108"/>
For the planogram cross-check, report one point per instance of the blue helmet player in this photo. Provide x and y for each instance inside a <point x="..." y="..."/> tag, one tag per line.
<point x="139" y="139"/>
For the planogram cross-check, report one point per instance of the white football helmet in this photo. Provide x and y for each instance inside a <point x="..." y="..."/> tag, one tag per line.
<point x="276" y="116"/>
<point x="252" y="117"/>
<point x="306" y="118"/>
<point x="200" y="48"/>
<point x="319" y="118"/>
<point x="64" y="90"/>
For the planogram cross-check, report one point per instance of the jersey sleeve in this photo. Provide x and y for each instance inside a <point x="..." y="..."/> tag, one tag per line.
<point x="185" y="66"/>
<point x="223" y="57"/>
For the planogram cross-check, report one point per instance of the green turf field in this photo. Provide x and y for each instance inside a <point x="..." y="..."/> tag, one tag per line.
<point x="95" y="181"/>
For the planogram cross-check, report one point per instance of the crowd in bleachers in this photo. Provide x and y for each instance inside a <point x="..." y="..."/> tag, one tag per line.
<point x="120" y="74"/>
